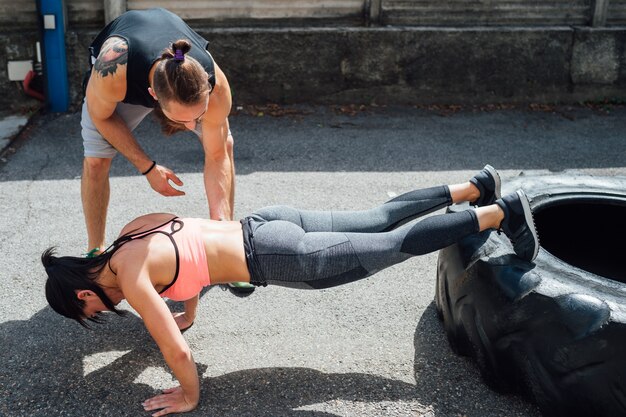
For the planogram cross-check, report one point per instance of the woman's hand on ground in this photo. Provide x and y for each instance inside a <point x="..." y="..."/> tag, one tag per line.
<point x="182" y="320"/>
<point x="172" y="400"/>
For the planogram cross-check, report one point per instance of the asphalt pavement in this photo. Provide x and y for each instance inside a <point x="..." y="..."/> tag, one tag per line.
<point x="371" y="348"/>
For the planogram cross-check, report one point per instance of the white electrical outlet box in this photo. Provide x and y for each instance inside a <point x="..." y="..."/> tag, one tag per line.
<point x="19" y="69"/>
<point x="49" y="21"/>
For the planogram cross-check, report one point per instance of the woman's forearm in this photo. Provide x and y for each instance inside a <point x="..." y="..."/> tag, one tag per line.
<point x="185" y="371"/>
<point x="178" y="399"/>
<point x="191" y="306"/>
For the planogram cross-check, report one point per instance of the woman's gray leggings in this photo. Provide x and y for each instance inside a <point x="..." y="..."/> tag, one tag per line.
<point x="320" y="249"/>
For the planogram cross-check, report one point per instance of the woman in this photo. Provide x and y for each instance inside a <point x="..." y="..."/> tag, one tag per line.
<point x="161" y="255"/>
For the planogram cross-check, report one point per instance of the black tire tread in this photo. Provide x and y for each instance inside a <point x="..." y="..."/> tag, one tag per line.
<point x="562" y="349"/>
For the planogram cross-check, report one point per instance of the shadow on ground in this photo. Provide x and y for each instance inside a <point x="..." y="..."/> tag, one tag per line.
<point x="44" y="361"/>
<point x="446" y="381"/>
<point x="386" y="140"/>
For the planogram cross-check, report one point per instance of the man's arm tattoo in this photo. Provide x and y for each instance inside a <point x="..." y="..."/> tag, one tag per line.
<point x="114" y="52"/>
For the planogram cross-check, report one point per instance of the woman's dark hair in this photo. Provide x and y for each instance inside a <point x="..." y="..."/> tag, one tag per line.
<point x="180" y="78"/>
<point x="68" y="274"/>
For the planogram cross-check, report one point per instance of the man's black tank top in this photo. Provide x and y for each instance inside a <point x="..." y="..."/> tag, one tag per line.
<point x="148" y="33"/>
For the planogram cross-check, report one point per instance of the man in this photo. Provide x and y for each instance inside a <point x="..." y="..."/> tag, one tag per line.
<point x="137" y="69"/>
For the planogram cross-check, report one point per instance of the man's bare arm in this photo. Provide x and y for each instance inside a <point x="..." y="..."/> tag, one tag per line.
<point x="107" y="88"/>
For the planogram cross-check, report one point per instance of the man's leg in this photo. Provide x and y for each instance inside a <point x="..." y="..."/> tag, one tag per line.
<point x="94" y="183"/>
<point x="95" y="189"/>
<point x="95" y="194"/>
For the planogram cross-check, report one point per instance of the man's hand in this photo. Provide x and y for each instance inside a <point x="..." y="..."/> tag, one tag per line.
<point x="173" y="400"/>
<point x="159" y="178"/>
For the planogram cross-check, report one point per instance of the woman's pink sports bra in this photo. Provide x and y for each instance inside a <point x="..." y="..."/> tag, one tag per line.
<point x="192" y="269"/>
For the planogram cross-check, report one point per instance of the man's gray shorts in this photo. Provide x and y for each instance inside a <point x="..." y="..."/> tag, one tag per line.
<point x="95" y="145"/>
<point x="98" y="147"/>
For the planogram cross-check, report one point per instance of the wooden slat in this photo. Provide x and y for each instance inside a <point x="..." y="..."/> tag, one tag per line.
<point x="480" y="20"/>
<point x="486" y="12"/>
<point x="616" y="14"/>
<point x="85" y="12"/>
<point x="254" y="9"/>
<point x="21" y="14"/>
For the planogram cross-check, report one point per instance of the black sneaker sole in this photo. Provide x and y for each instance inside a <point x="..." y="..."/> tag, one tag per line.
<point x="530" y="221"/>
<point x="496" y="179"/>
<point x="238" y="291"/>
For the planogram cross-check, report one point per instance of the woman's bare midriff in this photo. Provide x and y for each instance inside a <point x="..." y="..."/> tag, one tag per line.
<point x="223" y="242"/>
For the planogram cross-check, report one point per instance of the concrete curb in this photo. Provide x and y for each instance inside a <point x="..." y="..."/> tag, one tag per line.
<point x="12" y="126"/>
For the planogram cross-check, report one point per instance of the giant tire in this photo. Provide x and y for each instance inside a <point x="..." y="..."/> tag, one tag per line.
<point x="554" y="329"/>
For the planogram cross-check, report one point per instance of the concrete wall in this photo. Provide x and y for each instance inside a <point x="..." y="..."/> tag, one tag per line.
<point x="409" y="65"/>
<point x="16" y="46"/>
<point x="423" y="65"/>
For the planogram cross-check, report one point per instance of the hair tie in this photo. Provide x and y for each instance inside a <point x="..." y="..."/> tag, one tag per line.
<point x="179" y="55"/>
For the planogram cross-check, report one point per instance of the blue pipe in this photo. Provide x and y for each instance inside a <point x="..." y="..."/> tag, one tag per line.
<point x="54" y="57"/>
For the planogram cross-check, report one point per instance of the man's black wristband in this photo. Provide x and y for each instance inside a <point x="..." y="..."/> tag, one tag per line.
<point x="149" y="169"/>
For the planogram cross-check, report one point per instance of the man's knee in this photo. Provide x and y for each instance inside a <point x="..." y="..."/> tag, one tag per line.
<point x="96" y="168"/>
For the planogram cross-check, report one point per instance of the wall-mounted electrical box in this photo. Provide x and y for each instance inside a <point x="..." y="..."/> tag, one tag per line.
<point x="18" y="69"/>
<point x="49" y="22"/>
